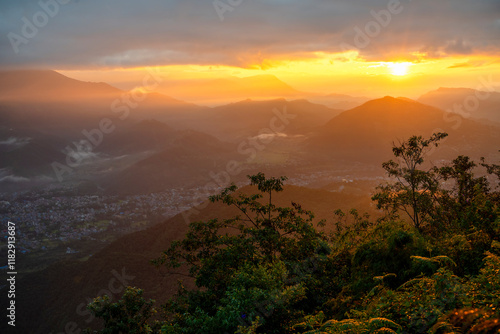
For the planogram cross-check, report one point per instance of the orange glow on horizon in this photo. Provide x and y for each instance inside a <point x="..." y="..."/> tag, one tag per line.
<point x="322" y="73"/>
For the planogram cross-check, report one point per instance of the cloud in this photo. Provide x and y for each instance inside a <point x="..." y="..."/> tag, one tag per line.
<point x="6" y="175"/>
<point x="126" y="33"/>
<point x="14" y="179"/>
<point x="83" y="151"/>
<point x="461" y="65"/>
<point x="13" y="143"/>
<point x="271" y="136"/>
<point x="458" y="47"/>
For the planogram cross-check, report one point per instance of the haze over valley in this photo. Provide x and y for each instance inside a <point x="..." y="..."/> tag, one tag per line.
<point x="133" y="134"/>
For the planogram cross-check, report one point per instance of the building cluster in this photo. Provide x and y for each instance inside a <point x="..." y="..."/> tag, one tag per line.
<point x="47" y="217"/>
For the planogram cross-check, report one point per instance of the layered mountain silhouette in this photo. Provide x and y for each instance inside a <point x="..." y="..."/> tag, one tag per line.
<point x="46" y="85"/>
<point x="42" y="113"/>
<point x="165" y="142"/>
<point x="47" y="99"/>
<point x="469" y="103"/>
<point x="220" y="91"/>
<point x="238" y="120"/>
<point x="339" y="101"/>
<point x="145" y="135"/>
<point x="366" y="133"/>
<point x="185" y="160"/>
<point x="25" y="158"/>
<point x="159" y="140"/>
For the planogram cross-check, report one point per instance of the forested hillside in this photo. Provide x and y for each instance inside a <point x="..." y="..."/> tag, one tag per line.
<point x="431" y="264"/>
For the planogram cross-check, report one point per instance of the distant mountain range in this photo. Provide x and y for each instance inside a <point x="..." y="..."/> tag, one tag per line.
<point x="159" y="141"/>
<point x="220" y="91"/>
<point x="469" y="103"/>
<point x="165" y="142"/>
<point x="45" y="85"/>
<point x="259" y="87"/>
<point x="239" y="120"/>
<point x="366" y="133"/>
<point x="186" y="160"/>
<point x="339" y="101"/>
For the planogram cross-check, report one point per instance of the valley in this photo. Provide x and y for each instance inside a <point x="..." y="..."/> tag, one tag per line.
<point x="84" y="197"/>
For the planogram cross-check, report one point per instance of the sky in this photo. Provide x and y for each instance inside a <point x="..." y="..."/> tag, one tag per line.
<point x="358" y="47"/>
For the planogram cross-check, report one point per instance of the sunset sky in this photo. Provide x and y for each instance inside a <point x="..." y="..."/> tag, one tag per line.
<point x="358" y="47"/>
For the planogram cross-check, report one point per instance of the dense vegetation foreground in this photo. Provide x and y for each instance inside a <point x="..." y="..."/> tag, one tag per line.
<point x="431" y="265"/>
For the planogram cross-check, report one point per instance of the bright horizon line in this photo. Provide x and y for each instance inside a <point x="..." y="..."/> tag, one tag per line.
<point x="344" y="73"/>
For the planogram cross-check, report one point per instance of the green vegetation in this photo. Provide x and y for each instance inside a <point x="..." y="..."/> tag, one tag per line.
<point x="272" y="269"/>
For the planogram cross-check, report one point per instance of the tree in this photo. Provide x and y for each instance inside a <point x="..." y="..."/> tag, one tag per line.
<point x="261" y="239"/>
<point x="469" y="202"/>
<point x="131" y="314"/>
<point x="415" y="189"/>
<point x="466" y="185"/>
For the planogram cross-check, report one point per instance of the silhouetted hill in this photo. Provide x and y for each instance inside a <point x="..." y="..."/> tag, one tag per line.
<point x="30" y="159"/>
<point x="186" y="160"/>
<point x="224" y="90"/>
<point x="53" y="111"/>
<point x="465" y="101"/>
<point x="268" y="82"/>
<point x="49" y="85"/>
<point x="48" y="99"/>
<point x="366" y="133"/>
<point x="167" y="109"/>
<point x="26" y="157"/>
<point x="146" y="135"/>
<point x="248" y="118"/>
<point x="339" y="101"/>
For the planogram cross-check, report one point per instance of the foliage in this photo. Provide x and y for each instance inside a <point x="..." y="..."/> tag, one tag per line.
<point x="485" y="287"/>
<point x="255" y="263"/>
<point x="131" y="314"/>
<point x="347" y="326"/>
<point x="474" y="321"/>
<point x="414" y="189"/>
<point x="418" y="303"/>
<point x="470" y="204"/>
<point x="270" y="269"/>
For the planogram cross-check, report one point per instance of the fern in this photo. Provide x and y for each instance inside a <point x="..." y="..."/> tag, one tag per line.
<point x="354" y="326"/>
<point x="385" y="277"/>
<point x="467" y="321"/>
<point x="384" y="330"/>
<point x="382" y="323"/>
<point x="311" y="321"/>
<point x="440" y="259"/>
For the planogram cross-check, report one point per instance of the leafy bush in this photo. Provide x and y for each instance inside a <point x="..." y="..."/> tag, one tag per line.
<point x="419" y="303"/>
<point x="131" y="314"/>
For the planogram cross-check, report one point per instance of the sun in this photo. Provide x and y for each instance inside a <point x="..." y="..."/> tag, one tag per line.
<point x="399" y="69"/>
